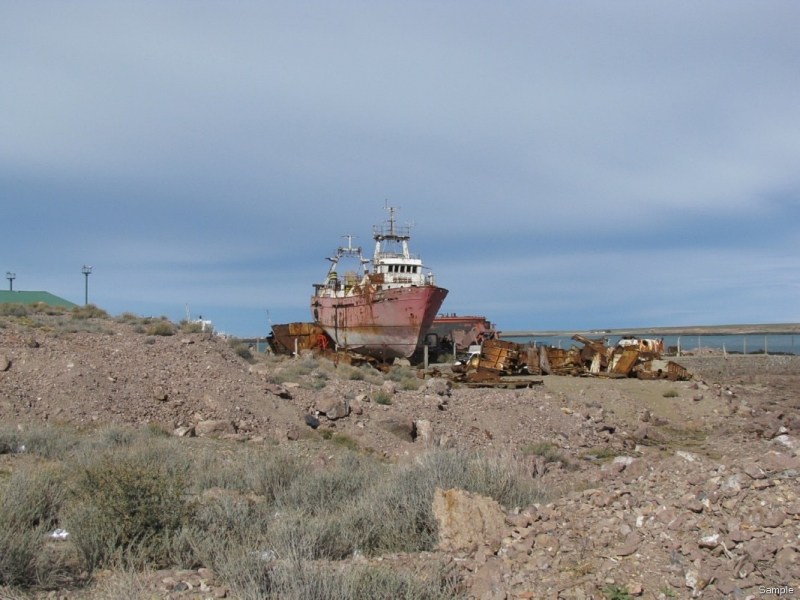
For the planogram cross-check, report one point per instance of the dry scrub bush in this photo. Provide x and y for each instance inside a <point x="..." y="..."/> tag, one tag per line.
<point x="253" y="578"/>
<point x="292" y="370"/>
<point x="128" y="317"/>
<point x="406" y="378"/>
<point x="90" y="311"/>
<point x="52" y="443"/>
<point x="47" y="309"/>
<point x="161" y="328"/>
<point x="548" y="451"/>
<point x="128" y="504"/>
<point x="382" y="397"/>
<point x="29" y="504"/>
<point x="126" y="498"/>
<point x="13" y="309"/>
<point x="241" y="349"/>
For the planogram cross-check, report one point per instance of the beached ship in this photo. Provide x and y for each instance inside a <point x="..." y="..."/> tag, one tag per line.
<point x="384" y="311"/>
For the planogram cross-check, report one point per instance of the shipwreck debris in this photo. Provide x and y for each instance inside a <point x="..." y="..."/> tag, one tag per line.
<point x="290" y="338"/>
<point x="501" y="363"/>
<point x="631" y="357"/>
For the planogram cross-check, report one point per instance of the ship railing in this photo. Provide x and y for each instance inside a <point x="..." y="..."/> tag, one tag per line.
<point x="397" y="255"/>
<point x="390" y="231"/>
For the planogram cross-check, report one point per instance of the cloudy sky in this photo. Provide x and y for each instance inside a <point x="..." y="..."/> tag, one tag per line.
<point x="566" y="165"/>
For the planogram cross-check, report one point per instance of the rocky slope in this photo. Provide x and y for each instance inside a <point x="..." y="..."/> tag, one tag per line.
<point x="661" y="489"/>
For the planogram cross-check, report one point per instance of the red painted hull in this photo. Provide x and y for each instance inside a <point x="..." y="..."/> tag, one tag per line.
<point x="384" y="324"/>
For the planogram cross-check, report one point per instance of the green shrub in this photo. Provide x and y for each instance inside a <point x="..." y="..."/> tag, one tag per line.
<point x="129" y="501"/>
<point x="382" y="397"/>
<point x="671" y="394"/>
<point x="548" y="451"/>
<point x="47" y="309"/>
<point x="613" y="592"/>
<point x="90" y="311"/>
<point x="34" y="497"/>
<point x="244" y="352"/>
<point x="21" y="556"/>
<point x="29" y="506"/>
<point x="51" y="443"/>
<point x="351" y="373"/>
<point x="410" y="383"/>
<point x="127" y="504"/>
<point x="345" y="441"/>
<point x="128" y="317"/>
<point x="252" y="578"/>
<point x="13" y="309"/>
<point x="161" y="328"/>
<point x="293" y="371"/>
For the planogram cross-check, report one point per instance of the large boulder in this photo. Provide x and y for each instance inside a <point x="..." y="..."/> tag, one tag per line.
<point x="334" y="408"/>
<point x="465" y="519"/>
<point x="405" y="430"/>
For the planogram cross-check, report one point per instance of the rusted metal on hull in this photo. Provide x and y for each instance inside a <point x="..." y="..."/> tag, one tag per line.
<point x="385" y="324"/>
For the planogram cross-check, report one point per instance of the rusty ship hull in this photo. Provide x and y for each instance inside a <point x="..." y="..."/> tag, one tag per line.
<point x="383" y="312"/>
<point x="382" y="323"/>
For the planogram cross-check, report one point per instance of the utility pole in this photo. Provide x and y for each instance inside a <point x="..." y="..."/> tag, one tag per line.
<point x="11" y="277"/>
<point x="86" y="272"/>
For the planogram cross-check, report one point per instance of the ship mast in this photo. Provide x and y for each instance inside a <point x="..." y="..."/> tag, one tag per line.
<point x="391" y="234"/>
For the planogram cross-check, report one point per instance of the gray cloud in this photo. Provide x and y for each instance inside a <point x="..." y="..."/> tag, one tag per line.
<point x="218" y="151"/>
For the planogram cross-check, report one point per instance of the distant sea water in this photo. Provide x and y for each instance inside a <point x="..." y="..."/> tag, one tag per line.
<point x="733" y="344"/>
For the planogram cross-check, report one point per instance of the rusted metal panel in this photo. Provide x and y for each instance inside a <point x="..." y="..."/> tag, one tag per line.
<point x="667" y="369"/>
<point x="560" y="362"/>
<point x="624" y="360"/>
<point x="461" y="332"/>
<point x="498" y="356"/>
<point x="306" y="336"/>
<point x="643" y="345"/>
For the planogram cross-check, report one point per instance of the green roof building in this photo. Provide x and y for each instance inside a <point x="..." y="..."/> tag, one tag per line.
<point x="13" y="297"/>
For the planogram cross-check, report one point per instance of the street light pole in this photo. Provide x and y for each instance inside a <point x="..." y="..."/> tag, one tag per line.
<point x="86" y="272"/>
<point x="11" y="277"/>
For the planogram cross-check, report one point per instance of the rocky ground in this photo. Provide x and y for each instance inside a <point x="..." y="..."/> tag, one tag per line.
<point x="660" y="489"/>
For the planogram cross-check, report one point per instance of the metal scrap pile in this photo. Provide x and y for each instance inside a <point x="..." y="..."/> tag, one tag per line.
<point x="641" y="360"/>
<point x="503" y="363"/>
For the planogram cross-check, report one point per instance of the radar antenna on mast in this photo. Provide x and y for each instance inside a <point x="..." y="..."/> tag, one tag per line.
<point x="391" y="210"/>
